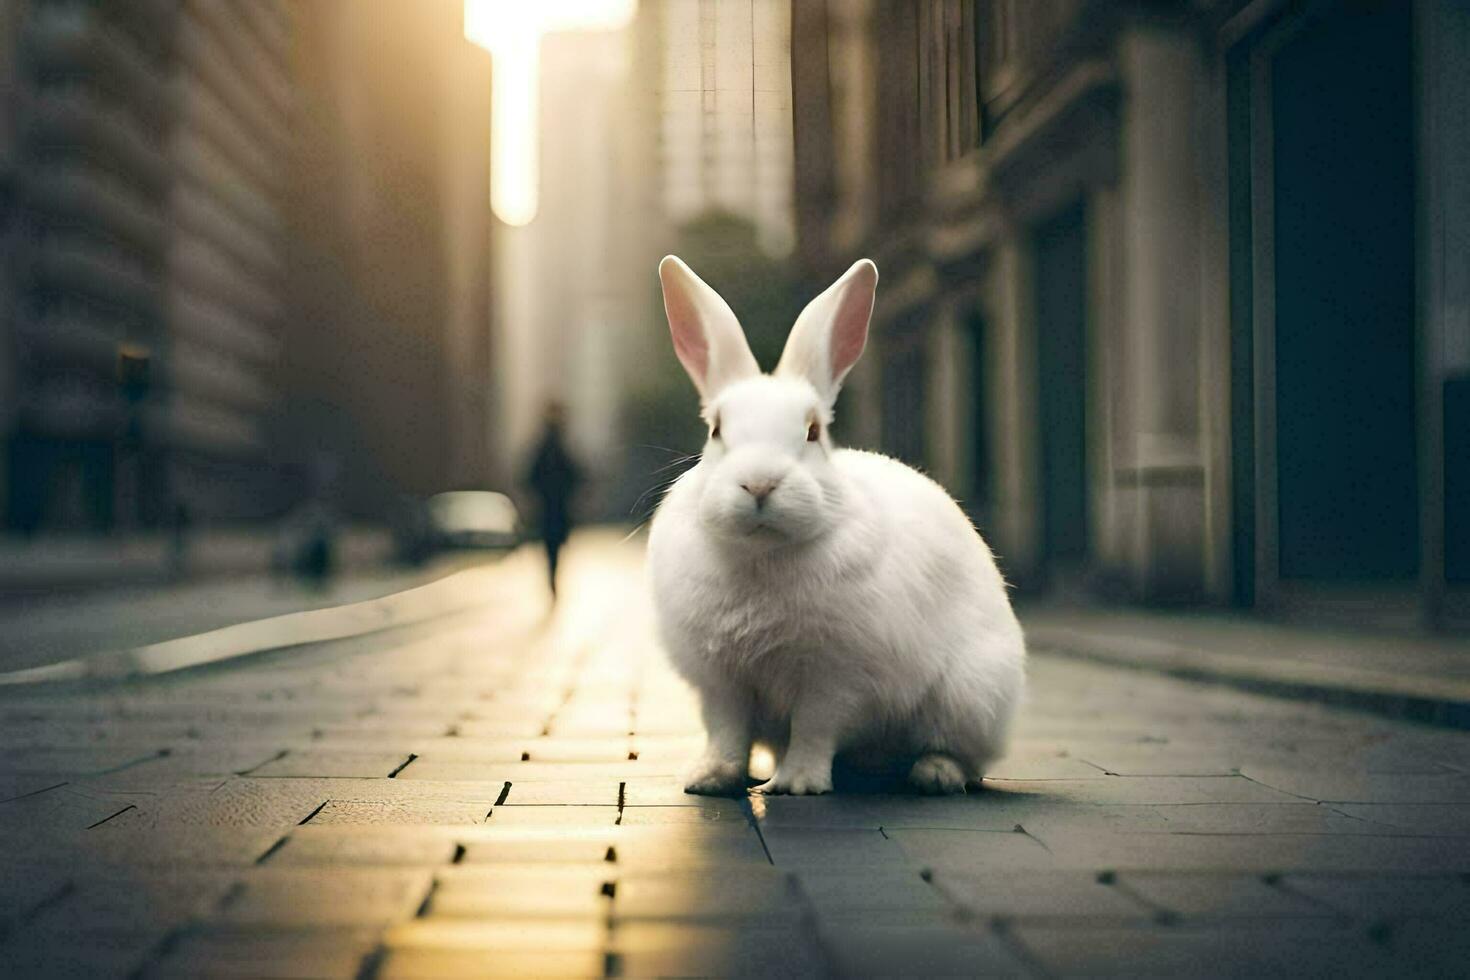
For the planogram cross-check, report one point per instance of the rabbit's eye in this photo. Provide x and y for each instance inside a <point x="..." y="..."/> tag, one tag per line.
<point x="714" y="432"/>
<point x="813" y="432"/>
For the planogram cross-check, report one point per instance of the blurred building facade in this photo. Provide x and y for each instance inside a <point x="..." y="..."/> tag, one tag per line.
<point x="575" y="308"/>
<point x="388" y="357"/>
<point x="238" y="236"/>
<point x="670" y="134"/>
<point x="1174" y="294"/>
<point x="725" y="126"/>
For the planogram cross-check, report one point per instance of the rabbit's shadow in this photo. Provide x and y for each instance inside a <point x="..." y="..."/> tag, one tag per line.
<point x="851" y="782"/>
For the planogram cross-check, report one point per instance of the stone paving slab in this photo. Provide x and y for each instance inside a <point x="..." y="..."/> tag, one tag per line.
<point x="499" y="796"/>
<point x="255" y="954"/>
<point x="1276" y="950"/>
<point x="1208" y="897"/>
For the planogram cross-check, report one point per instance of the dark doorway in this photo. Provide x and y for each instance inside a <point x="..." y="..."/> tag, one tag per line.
<point x="1061" y="321"/>
<point x="1343" y="197"/>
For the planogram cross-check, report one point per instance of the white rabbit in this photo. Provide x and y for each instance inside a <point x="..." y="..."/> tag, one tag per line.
<point x="821" y="600"/>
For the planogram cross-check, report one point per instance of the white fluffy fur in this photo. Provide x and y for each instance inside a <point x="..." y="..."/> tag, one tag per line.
<point x="853" y="610"/>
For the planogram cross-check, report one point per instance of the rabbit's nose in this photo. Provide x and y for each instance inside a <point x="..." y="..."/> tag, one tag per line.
<point x="760" y="489"/>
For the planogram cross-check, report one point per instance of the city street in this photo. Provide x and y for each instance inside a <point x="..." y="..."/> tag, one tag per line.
<point x="495" y="792"/>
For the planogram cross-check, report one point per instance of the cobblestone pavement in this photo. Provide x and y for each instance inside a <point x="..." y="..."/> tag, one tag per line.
<point x="495" y="794"/>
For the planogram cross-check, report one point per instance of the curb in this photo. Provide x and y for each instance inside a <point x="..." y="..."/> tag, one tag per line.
<point x="452" y="593"/>
<point x="1444" y="704"/>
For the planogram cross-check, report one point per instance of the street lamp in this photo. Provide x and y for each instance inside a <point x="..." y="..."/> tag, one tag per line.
<point x="511" y="30"/>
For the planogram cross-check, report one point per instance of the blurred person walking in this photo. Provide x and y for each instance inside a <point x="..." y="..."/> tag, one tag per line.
<point x="554" y="477"/>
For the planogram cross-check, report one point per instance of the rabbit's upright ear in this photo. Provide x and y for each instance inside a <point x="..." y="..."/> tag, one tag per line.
<point x="831" y="332"/>
<point x="707" y="337"/>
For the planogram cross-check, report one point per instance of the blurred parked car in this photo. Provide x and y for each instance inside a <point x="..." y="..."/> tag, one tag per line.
<point x="474" y="519"/>
<point x="457" y="520"/>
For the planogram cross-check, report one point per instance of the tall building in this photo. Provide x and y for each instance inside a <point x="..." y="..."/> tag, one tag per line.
<point x="682" y="116"/>
<point x="1173" y="293"/>
<point x="225" y="317"/>
<point x="90" y="115"/>
<point x="244" y="243"/>
<point x="575" y="299"/>
<point x="387" y="357"/>
<point x="725" y="108"/>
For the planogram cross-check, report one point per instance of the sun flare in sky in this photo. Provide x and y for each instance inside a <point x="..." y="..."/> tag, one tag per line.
<point x="511" y="30"/>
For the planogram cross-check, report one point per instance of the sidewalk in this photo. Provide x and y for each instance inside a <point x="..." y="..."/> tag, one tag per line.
<point x="495" y="792"/>
<point x="50" y="563"/>
<point x="1420" y="677"/>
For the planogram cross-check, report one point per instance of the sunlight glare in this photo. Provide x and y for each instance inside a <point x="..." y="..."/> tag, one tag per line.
<point x="511" y="31"/>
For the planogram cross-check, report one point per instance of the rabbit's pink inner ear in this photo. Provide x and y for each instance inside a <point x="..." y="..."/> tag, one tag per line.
<point x="687" y="329"/>
<point x="691" y="347"/>
<point x="850" y="324"/>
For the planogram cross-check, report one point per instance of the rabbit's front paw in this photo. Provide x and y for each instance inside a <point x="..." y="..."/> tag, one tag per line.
<point x="800" y="781"/>
<point x="716" y="777"/>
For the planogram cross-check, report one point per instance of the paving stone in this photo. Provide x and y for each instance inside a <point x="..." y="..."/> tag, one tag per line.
<point x="1145" y="789"/>
<point x="405" y="812"/>
<point x="1388" y="897"/>
<point x="830" y="811"/>
<point x="1162" y="760"/>
<point x="528" y="725"/>
<point x="427" y="768"/>
<point x="600" y="723"/>
<point x="66" y="807"/>
<point x="554" y="816"/>
<point x="683" y="749"/>
<point x="495" y="891"/>
<point x="1336" y="786"/>
<point x="397" y="728"/>
<point x="673" y="847"/>
<point x="79" y="760"/>
<point x="1200" y="818"/>
<point x="751" y="950"/>
<point x="267" y="955"/>
<point x="330" y="845"/>
<point x="477" y="751"/>
<point x="1447" y="819"/>
<point x="25" y="887"/>
<point x="564" y="749"/>
<point x="880" y="949"/>
<point x="669" y="791"/>
<point x="1253" y="853"/>
<point x="1031" y="894"/>
<point x="741" y="892"/>
<point x="1041" y="766"/>
<point x="337" y="897"/>
<point x="72" y="953"/>
<point x="1211" y="896"/>
<point x="839" y="891"/>
<point x="274" y="803"/>
<point x="1430" y="948"/>
<point x="800" y="847"/>
<point x="436" y="964"/>
<point x="497" y="936"/>
<point x="559" y="846"/>
<point x="16" y="786"/>
<point x="194" y="760"/>
<point x="563" y="793"/>
<point x="133" y="901"/>
<point x="634" y="816"/>
<point x="972" y="851"/>
<point x="175" y="846"/>
<point x="1272" y="950"/>
<point x="333" y="764"/>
